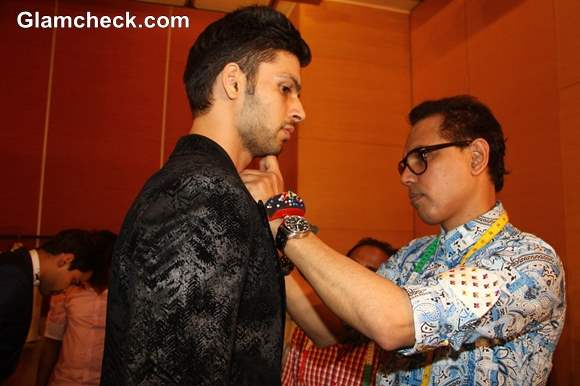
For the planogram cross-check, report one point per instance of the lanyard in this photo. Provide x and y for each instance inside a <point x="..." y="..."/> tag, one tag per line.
<point x="493" y="231"/>
<point x="368" y="364"/>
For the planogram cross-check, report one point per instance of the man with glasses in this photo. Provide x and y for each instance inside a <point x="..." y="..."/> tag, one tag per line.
<point x="479" y="303"/>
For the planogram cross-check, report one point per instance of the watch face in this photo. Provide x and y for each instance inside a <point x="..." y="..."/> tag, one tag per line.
<point x="296" y="224"/>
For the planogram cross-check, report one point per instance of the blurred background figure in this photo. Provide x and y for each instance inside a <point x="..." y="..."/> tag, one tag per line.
<point x="65" y="259"/>
<point x="353" y="363"/>
<point x="75" y="328"/>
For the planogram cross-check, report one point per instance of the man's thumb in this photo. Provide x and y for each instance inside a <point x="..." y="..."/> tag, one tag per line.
<point x="270" y="164"/>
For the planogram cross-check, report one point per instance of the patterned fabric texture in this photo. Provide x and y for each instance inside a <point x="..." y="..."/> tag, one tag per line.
<point x="494" y="322"/>
<point x="196" y="296"/>
<point x="340" y="364"/>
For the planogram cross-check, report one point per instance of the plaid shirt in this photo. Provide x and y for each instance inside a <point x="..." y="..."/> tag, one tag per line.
<point x="340" y="364"/>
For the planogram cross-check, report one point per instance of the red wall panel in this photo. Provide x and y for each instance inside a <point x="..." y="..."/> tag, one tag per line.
<point x="512" y="63"/>
<point x="116" y="109"/>
<point x="24" y="68"/>
<point x="105" y="129"/>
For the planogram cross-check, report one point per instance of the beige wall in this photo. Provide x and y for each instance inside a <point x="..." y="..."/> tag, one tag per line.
<point x="356" y="93"/>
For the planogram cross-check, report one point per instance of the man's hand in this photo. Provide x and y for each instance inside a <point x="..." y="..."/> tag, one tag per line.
<point x="266" y="182"/>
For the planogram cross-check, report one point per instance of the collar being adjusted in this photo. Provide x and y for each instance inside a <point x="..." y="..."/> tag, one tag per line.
<point x="460" y="239"/>
<point x="35" y="267"/>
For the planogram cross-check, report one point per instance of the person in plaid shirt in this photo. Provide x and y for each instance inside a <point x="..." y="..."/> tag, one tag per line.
<point x="339" y="364"/>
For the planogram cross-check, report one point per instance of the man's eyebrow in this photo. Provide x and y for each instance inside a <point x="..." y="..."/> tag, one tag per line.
<point x="297" y="85"/>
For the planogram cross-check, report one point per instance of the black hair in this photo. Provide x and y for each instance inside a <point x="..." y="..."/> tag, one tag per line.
<point x="104" y="243"/>
<point x="387" y="248"/>
<point x="466" y="118"/>
<point x="248" y="37"/>
<point x="75" y="241"/>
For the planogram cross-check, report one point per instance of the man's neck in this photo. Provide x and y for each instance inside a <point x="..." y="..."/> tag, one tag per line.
<point x="222" y="132"/>
<point x="479" y="203"/>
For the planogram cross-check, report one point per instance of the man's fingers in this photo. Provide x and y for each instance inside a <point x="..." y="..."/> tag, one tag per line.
<point x="266" y="182"/>
<point x="251" y="172"/>
<point x="270" y="164"/>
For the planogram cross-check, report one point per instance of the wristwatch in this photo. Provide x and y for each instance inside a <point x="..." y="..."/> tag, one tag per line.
<point x="292" y="227"/>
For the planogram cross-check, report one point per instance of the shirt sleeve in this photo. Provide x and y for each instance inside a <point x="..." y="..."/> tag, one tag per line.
<point x="56" y="319"/>
<point x="465" y="304"/>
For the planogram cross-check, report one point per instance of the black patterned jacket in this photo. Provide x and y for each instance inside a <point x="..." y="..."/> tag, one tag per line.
<point x="196" y="295"/>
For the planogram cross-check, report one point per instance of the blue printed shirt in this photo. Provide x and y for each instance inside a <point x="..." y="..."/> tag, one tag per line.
<point x="494" y="321"/>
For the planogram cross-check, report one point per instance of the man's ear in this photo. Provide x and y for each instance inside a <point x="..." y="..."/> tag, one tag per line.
<point x="63" y="259"/>
<point x="232" y="79"/>
<point x="479" y="155"/>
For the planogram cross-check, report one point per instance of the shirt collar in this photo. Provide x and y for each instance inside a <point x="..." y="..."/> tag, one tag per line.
<point x="460" y="239"/>
<point x="35" y="267"/>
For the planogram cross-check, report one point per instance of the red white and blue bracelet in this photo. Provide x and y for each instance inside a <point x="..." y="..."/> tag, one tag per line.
<point x="285" y="204"/>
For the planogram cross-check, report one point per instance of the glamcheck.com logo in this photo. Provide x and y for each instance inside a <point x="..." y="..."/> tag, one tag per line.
<point x="36" y="20"/>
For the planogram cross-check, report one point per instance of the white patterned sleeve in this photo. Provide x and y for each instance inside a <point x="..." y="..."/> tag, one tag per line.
<point x="446" y="311"/>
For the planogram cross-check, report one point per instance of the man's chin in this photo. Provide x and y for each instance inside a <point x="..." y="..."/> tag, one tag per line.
<point x="268" y="152"/>
<point x="425" y="217"/>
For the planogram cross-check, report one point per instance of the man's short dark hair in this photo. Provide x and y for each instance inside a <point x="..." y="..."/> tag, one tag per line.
<point x="465" y="118"/>
<point x="387" y="248"/>
<point x="104" y="243"/>
<point x="248" y="37"/>
<point x="75" y="241"/>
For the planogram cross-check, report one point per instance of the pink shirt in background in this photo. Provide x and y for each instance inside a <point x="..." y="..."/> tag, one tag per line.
<point x="77" y="317"/>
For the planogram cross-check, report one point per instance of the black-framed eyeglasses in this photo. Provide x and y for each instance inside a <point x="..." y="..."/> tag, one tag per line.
<point x="416" y="159"/>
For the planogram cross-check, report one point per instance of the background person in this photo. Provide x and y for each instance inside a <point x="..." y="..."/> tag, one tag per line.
<point x="354" y="362"/>
<point x="63" y="260"/>
<point x="72" y="351"/>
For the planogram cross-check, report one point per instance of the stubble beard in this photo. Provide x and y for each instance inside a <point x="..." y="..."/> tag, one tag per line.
<point x="254" y="133"/>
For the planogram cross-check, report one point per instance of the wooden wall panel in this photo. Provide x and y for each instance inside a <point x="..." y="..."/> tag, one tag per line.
<point x="439" y="64"/>
<point x="352" y="191"/>
<point x="356" y="94"/>
<point x="568" y="41"/>
<point x="568" y="359"/>
<point x="567" y="13"/>
<point x="24" y="82"/>
<point x="357" y="87"/>
<point x="512" y="65"/>
<point x="104" y="134"/>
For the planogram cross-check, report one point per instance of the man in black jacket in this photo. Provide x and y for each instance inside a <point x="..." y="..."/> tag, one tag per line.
<point x="64" y="260"/>
<point x="197" y="295"/>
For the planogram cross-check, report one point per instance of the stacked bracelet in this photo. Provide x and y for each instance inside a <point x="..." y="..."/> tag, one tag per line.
<point x="285" y="204"/>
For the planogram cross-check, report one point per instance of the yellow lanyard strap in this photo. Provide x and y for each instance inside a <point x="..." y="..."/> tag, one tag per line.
<point x="493" y="231"/>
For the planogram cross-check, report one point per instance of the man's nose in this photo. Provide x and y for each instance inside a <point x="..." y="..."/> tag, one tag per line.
<point x="297" y="112"/>
<point x="408" y="177"/>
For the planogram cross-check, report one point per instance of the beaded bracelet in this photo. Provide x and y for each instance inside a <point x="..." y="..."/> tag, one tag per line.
<point x="284" y="204"/>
